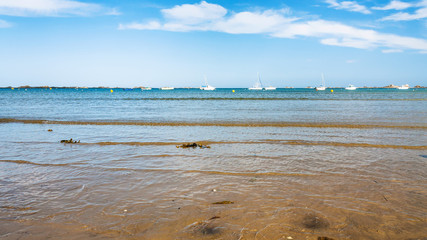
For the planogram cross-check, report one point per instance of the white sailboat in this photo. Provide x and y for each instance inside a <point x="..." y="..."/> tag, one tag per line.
<point x="351" y="87"/>
<point x="257" y="85"/>
<point x="321" y="87"/>
<point x="403" y="87"/>
<point x="207" y="87"/>
<point x="167" y="88"/>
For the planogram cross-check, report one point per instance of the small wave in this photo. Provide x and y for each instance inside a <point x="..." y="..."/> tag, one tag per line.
<point x="341" y="144"/>
<point x="159" y="170"/>
<point x="283" y="142"/>
<point x="16" y="208"/>
<point x="213" y="124"/>
<point x="212" y="172"/>
<point x="34" y="163"/>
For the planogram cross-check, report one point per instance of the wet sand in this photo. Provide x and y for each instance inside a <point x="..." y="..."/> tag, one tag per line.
<point x="379" y="193"/>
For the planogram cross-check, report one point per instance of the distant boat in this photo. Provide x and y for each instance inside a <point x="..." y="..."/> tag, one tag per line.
<point x="167" y="88"/>
<point x="270" y="88"/>
<point x="403" y="87"/>
<point x="145" y="88"/>
<point x="351" y="87"/>
<point x="321" y="87"/>
<point x="257" y="85"/>
<point x="207" y="87"/>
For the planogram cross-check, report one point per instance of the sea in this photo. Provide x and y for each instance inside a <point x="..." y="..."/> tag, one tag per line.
<point x="101" y="163"/>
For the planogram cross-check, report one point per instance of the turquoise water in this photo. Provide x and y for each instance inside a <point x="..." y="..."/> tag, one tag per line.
<point x="193" y="105"/>
<point x="294" y="162"/>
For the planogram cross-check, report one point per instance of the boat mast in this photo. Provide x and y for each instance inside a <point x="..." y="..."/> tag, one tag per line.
<point x="323" y="81"/>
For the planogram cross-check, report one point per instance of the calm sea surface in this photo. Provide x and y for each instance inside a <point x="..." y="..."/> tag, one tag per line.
<point x="284" y="164"/>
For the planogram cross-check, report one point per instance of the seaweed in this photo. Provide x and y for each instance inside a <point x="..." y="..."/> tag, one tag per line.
<point x="192" y="145"/>
<point x="224" y="202"/>
<point x="70" y="141"/>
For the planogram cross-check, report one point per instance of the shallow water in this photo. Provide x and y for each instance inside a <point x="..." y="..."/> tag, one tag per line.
<point x="290" y="163"/>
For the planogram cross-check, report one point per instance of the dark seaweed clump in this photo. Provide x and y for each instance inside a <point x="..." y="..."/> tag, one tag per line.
<point x="224" y="202"/>
<point x="70" y="141"/>
<point x="192" y="145"/>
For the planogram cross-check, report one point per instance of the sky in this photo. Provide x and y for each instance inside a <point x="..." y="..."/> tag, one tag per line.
<point x="129" y="43"/>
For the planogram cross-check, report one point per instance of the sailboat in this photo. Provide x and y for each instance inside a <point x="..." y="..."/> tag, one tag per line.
<point x="321" y="87"/>
<point x="257" y="85"/>
<point x="403" y="87"/>
<point x="207" y="87"/>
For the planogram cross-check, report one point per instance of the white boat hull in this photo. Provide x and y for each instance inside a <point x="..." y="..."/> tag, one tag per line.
<point x="270" y="88"/>
<point x="403" y="88"/>
<point x="209" y="88"/>
<point x="351" y="87"/>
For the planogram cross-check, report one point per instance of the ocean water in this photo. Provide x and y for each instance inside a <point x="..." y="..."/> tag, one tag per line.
<point x="284" y="164"/>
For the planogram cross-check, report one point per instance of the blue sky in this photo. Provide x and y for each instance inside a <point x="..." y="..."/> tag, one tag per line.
<point x="131" y="43"/>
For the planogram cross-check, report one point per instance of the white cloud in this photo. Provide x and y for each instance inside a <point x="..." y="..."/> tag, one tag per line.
<point x="153" y="25"/>
<point x="420" y="13"/>
<point x="51" y="8"/>
<point x="276" y="23"/>
<point x="338" y="34"/>
<point x="195" y="13"/>
<point x="253" y="22"/>
<point x="4" y="24"/>
<point x="395" y="5"/>
<point x="392" y="51"/>
<point x="351" y="6"/>
<point x="401" y="16"/>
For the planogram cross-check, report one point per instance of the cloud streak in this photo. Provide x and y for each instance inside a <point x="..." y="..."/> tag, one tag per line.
<point x="351" y="6"/>
<point x="274" y="23"/>
<point x="420" y="13"/>
<point x="394" y="5"/>
<point x="4" y="24"/>
<point x="51" y="8"/>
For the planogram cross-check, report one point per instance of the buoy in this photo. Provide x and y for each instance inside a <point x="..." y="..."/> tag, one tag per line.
<point x="13" y="88"/>
<point x="332" y="90"/>
<point x="111" y="90"/>
<point x="50" y="88"/>
<point x="233" y="90"/>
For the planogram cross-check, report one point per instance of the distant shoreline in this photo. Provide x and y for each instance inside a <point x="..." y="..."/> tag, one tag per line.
<point x="102" y="87"/>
